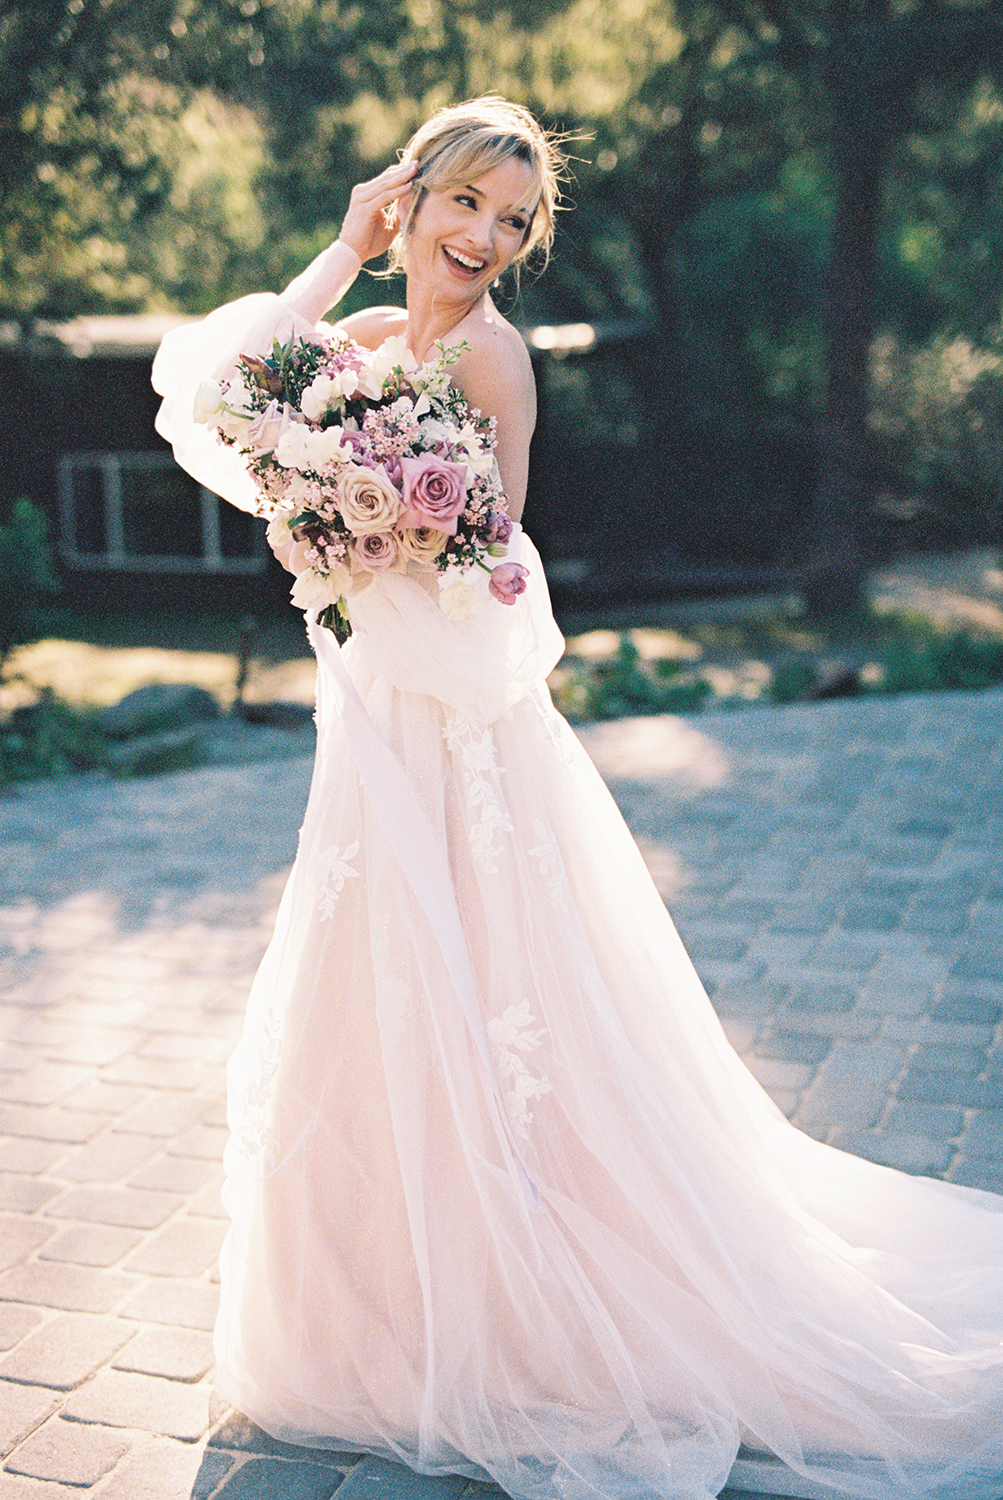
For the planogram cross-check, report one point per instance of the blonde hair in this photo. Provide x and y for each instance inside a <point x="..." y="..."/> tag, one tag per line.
<point x="462" y="142"/>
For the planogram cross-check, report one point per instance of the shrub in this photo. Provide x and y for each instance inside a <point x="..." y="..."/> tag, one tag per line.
<point x="27" y="577"/>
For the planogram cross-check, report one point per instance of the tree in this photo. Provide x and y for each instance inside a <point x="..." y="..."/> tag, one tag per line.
<point x="867" y="63"/>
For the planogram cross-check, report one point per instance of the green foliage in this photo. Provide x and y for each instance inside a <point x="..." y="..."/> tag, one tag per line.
<point x="918" y="659"/>
<point x="180" y="152"/>
<point x="48" y="738"/>
<point x="27" y="576"/>
<point x="792" y="681"/>
<point x="624" y="685"/>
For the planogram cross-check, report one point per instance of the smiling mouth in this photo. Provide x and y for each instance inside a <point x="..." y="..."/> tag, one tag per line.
<point x="465" y="263"/>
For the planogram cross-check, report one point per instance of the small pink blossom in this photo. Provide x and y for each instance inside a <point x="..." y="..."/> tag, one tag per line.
<point x="507" y="582"/>
<point x="435" y="493"/>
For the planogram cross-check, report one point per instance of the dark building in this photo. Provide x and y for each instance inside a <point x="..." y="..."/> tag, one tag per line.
<point x="77" y="436"/>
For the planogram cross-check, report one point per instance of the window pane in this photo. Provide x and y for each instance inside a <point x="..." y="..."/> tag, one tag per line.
<point x="237" y="531"/>
<point x="161" y="513"/>
<point x="90" y="534"/>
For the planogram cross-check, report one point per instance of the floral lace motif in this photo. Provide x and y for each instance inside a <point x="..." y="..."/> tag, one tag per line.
<point x="474" y="743"/>
<point x="551" y="865"/>
<point x="557" y="730"/>
<point x="511" y="1037"/>
<point x="332" y="870"/>
<point x="252" y="1136"/>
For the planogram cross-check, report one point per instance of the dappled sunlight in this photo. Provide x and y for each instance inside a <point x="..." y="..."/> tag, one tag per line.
<point x="953" y="592"/>
<point x="83" y="674"/>
<point x="79" y="974"/>
<point x="658" y="748"/>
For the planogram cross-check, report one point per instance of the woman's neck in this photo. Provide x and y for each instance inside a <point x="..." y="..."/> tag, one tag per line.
<point x="429" y="321"/>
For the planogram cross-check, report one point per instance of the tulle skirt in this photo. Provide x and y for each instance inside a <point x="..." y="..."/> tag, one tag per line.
<point x="504" y="1200"/>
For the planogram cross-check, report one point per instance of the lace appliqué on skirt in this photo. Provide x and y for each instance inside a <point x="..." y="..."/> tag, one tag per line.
<point x="332" y="870"/>
<point x="474" y="744"/>
<point x="511" y="1037"/>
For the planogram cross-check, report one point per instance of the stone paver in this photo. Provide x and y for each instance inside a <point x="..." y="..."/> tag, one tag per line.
<point x="834" y="869"/>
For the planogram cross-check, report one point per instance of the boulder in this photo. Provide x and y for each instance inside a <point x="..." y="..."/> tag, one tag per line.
<point x="156" y="754"/>
<point x="158" y="706"/>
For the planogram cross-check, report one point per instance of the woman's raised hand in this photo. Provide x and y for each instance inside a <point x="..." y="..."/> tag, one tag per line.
<point x="365" y="228"/>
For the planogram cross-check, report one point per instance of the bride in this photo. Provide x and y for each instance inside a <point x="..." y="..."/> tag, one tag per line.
<point x="504" y="1201"/>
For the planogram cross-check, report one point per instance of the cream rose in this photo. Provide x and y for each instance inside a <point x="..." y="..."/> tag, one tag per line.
<point x="367" y="500"/>
<point x="458" y="599"/>
<point x="280" y="538"/>
<point x="421" y="545"/>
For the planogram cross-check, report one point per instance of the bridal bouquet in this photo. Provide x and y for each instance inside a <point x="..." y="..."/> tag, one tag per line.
<point x="368" y="461"/>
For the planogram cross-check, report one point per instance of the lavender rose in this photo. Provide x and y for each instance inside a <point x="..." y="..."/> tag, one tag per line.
<point x="507" y="582"/>
<point x="367" y="501"/>
<point x="499" y="527"/>
<point x="376" y="551"/>
<point x="435" y="492"/>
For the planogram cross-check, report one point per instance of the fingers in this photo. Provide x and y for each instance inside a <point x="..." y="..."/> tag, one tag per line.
<point x="369" y="225"/>
<point x="390" y="184"/>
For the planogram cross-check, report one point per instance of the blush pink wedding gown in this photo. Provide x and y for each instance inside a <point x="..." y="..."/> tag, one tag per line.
<point x="504" y="1200"/>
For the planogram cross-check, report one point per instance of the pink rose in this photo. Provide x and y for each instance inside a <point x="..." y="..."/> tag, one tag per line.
<point x="435" y="493"/>
<point x="375" y="551"/>
<point x="507" y="582"/>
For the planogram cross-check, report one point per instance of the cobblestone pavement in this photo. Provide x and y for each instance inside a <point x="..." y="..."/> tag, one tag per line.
<point x="835" y="870"/>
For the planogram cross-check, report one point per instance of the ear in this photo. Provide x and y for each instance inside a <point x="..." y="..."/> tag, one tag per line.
<point x="409" y="204"/>
<point x="403" y="207"/>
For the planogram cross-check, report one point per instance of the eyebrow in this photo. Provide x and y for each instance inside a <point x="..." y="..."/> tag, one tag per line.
<point x="469" y="188"/>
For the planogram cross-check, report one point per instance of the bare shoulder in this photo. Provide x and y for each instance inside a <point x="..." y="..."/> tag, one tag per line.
<point x="374" y="324"/>
<point x="495" y="372"/>
<point x="496" y="376"/>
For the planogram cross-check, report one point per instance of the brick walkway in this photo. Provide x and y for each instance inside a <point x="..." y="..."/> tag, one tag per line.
<point x="835" y="871"/>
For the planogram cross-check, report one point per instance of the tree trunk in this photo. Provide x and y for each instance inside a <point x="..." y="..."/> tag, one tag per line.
<point x="835" y="569"/>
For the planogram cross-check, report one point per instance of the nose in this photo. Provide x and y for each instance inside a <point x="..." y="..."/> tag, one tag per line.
<point x="481" y="233"/>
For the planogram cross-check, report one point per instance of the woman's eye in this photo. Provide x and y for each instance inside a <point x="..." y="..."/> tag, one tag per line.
<point x="518" y="223"/>
<point x="466" y="200"/>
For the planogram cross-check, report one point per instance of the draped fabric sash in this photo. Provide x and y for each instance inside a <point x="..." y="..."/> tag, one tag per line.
<point x="423" y="864"/>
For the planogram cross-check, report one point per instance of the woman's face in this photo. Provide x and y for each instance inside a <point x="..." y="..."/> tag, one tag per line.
<point x="462" y="237"/>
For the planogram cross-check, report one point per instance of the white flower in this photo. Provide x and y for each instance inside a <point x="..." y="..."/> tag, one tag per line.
<point x="327" y="447"/>
<point x="235" y="426"/>
<point x="458" y="599"/>
<point x="297" y="490"/>
<point x="236" y="412"/>
<point x="327" y="391"/>
<point x="292" y="450"/>
<point x="279" y="536"/>
<point x="313" y="590"/>
<point x="379" y="363"/>
<point x="436" y="431"/>
<point x="479" y="458"/>
<point x="208" y="399"/>
<point x="432" y="377"/>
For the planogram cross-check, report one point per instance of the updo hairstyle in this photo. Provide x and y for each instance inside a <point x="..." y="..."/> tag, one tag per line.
<point x="462" y="142"/>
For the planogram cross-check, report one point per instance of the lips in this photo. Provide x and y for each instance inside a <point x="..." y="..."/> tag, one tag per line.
<point x="467" y="265"/>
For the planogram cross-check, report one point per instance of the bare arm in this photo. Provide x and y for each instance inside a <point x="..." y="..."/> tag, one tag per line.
<point x="365" y="233"/>
<point x="497" y="377"/>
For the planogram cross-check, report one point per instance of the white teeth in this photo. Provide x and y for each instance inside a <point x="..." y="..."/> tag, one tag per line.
<point x="465" y="260"/>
